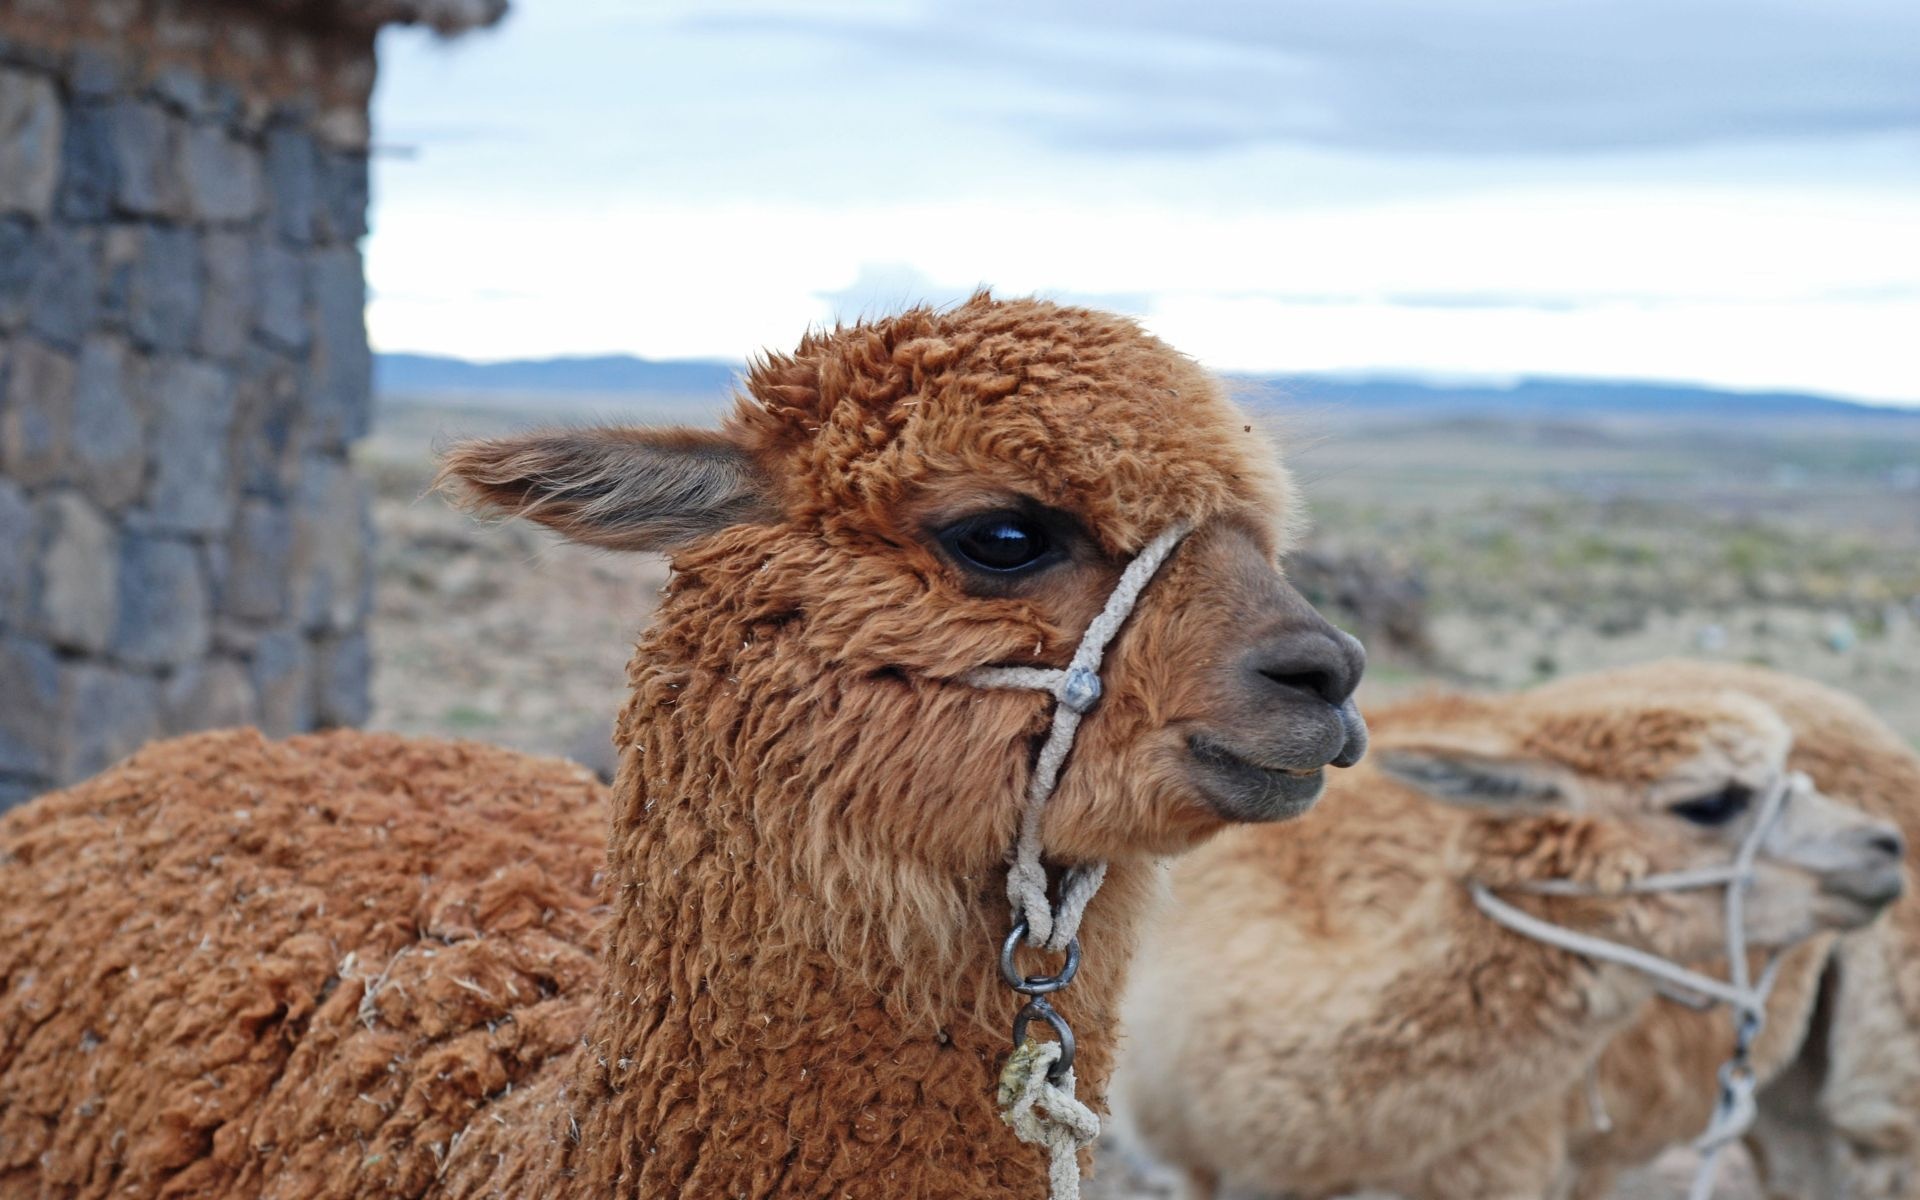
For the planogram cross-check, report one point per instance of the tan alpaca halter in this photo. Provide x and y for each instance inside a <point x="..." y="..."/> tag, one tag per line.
<point x="1734" y="1110"/>
<point x="1036" y="1087"/>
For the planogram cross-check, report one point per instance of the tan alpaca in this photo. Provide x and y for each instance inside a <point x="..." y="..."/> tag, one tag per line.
<point x="1841" y="1120"/>
<point x="1329" y="1011"/>
<point x="356" y="965"/>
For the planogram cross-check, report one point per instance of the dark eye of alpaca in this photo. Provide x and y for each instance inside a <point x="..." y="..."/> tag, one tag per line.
<point x="1716" y="808"/>
<point x="1001" y="543"/>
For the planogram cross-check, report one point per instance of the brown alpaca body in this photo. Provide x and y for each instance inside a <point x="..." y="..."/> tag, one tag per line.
<point x="241" y="968"/>
<point x="803" y="860"/>
<point x="1374" y="1030"/>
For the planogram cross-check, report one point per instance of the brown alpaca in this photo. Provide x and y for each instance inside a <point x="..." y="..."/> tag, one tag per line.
<point x="1841" y="1118"/>
<point x="380" y="980"/>
<point x="1329" y="1011"/>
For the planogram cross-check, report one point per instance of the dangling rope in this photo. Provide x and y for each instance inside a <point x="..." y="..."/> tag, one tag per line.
<point x="1045" y="1113"/>
<point x="1036" y="1086"/>
<point x="1734" y="1109"/>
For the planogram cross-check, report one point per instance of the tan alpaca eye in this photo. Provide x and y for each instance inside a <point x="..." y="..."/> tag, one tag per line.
<point x="1002" y="543"/>
<point x="1716" y="808"/>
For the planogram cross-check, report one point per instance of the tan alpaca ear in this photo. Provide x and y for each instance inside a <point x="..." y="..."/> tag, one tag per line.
<point x="617" y="487"/>
<point x="1474" y="773"/>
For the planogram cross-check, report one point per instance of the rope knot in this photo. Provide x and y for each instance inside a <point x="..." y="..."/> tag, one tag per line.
<point x="1042" y="1113"/>
<point x="1080" y="690"/>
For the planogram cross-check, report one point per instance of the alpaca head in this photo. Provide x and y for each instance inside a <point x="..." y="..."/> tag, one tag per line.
<point x="900" y="502"/>
<point x="1604" y="785"/>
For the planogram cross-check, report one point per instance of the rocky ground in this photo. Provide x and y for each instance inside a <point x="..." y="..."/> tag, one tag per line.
<point x="1549" y="548"/>
<point x="1463" y="559"/>
<point x="497" y="632"/>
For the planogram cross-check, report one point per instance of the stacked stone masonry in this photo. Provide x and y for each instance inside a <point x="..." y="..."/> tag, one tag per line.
<point x="183" y="369"/>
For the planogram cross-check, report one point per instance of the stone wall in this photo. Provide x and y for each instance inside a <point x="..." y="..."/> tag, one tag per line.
<point x="183" y="367"/>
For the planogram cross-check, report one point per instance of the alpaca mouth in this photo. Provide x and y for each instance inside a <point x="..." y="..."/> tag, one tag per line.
<point x="1241" y="789"/>
<point x="1870" y="890"/>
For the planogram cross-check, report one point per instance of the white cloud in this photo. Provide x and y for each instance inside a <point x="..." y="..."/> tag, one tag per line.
<point x="1803" y="291"/>
<point x="1850" y="349"/>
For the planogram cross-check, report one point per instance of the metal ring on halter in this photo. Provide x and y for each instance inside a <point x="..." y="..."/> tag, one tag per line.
<point x="1038" y="1007"/>
<point x="1035" y="985"/>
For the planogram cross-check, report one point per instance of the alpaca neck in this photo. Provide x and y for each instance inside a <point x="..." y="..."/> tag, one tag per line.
<point x="1550" y="1011"/>
<point x="790" y="1014"/>
<point x="732" y="1047"/>
<point x="1546" y="1014"/>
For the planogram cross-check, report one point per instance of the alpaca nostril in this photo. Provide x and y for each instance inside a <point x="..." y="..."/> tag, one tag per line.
<point x="1323" y="663"/>
<point x="1317" y="683"/>
<point x="1887" y="842"/>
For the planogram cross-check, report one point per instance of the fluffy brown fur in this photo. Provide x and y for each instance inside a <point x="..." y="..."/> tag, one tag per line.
<point x="234" y="967"/>
<point x="1362" y="1025"/>
<point x="797" y="994"/>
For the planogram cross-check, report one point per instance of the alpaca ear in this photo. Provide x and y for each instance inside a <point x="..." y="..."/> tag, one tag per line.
<point x="1475" y="774"/>
<point x="621" y="488"/>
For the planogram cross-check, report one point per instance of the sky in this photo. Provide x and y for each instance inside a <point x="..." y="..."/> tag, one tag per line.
<point x="1713" y="191"/>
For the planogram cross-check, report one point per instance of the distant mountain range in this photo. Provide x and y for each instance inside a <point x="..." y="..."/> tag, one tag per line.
<point x="612" y="378"/>
<point x="1548" y="397"/>
<point x="603" y="375"/>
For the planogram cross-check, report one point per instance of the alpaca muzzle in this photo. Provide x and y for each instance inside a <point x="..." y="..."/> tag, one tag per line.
<point x="1287" y="713"/>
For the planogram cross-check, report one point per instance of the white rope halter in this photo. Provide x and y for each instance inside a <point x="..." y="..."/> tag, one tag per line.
<point x="1077" y="690"/>
<point x="1735" y="1110"/>
<point x="1036" y="1086"/>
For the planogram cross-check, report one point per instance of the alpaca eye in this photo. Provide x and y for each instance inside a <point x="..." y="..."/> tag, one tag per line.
<point x="1002" y="543"/>
<point x="1717" y="808"/>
